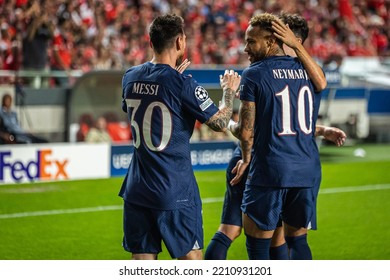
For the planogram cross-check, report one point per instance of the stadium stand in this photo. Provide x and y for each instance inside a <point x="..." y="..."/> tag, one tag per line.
<point x="108" y="34"/>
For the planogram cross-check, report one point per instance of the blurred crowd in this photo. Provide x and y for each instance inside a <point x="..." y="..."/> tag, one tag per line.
<point x="112" y="34"/>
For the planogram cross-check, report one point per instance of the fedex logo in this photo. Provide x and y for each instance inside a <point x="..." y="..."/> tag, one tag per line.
<point x="44" y="167"/>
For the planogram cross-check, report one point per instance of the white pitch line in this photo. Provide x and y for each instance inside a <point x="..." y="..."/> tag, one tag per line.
<point x="60" y="211"/>
<point x="204" y="201"/>
<point x="212" y="200"/>
<point x="355" y="189"/>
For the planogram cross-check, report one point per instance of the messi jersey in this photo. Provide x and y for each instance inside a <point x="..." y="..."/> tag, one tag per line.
<point x="285" y="153"/>
<point x="162" y="106"/>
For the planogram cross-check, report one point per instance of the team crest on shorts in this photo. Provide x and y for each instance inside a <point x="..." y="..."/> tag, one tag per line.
<point x="201" y="93"/>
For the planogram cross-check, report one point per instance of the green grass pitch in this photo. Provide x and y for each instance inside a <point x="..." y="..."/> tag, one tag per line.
<point x="82" y="220"/>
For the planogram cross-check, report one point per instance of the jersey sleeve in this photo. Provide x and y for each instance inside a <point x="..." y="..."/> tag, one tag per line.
<point x="124" y="88"/>
<point x="248" y="85"/>
<point x="197" y="102"/>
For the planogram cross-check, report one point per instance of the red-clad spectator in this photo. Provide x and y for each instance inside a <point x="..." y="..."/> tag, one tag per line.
<point x="9" y="52"/>
<point x="111" y="12"/>
<point x="379" y="40"/>
<point x="12" y="58"/>
<point x="345" y="9"/>
<point x="21" y="3"/>
<point x="61" y="57"/>
<point x="377" y="5"/>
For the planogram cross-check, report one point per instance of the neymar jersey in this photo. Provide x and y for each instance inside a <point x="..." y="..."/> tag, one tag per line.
<point x="162" y="106"/>
<point x="285" y="153"/>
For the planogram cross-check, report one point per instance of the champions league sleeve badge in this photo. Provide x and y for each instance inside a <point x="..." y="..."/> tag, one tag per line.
<point x="202" y="95"/>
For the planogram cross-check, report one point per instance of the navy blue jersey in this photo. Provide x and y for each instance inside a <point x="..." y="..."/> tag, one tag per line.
<point x="162" y="106"/>
<point x="285" y="153"/>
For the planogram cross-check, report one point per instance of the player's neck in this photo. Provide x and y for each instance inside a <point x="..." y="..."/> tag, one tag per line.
<point x="275" y="52"/>
<point x="164" y="58"/>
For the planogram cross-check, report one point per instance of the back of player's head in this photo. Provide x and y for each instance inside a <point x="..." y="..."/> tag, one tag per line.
<point x="164" y="31"/>
<point x="297" y="24"/>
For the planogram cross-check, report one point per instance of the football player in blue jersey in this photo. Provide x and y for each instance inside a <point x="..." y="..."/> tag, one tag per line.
<point x="161" y="196"/>
<point x="231" y="220"/>
<point x="278" y="115"/>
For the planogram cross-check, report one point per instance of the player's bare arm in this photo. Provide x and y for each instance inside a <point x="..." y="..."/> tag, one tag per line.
<point x="285" y="34"/>
<point x="244" y="131"/>
<point x="229" y="83"/>
<point x="332" y="134"/>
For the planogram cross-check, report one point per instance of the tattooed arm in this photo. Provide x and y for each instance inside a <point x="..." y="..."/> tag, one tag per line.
<point x="244" y="130"/>
<point x="229" y="83"/>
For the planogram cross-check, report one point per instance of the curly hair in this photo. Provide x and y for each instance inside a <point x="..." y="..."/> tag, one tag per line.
<point x="264" y="21"/>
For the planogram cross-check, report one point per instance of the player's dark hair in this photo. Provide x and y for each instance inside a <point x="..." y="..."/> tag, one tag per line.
<point x="297" y="24"/>
<point x="164" y="31"/>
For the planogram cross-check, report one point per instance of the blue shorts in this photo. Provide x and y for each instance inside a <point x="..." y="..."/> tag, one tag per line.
<point x="313" y="224"/>
<point x="265" y="206"/>
<point x="181" y="230"/>
<point x="231" y="212"/>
